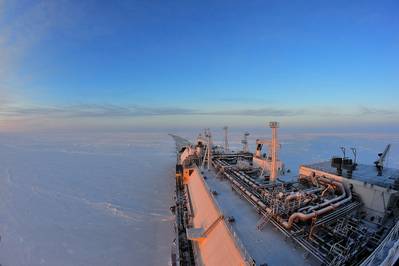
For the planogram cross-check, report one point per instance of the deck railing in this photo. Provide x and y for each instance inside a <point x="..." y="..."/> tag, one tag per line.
<point x="387" y="252"/>
<point x="233" y="234"/>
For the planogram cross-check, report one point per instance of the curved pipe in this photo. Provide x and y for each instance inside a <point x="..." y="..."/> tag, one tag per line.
<point x="296" y="195"/>
<point x="301" y="194"/>
<point x="305" y="217"/>
<point x="337" y="184"/>
<point x="325" y="190"/>
<point x="328" y="182"/>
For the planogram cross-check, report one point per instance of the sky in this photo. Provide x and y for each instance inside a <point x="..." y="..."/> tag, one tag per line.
<point x="139" y="64"/>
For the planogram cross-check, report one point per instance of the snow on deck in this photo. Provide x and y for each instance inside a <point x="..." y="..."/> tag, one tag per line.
<point x="266" y="246"/>
<point x="363" y="173"/>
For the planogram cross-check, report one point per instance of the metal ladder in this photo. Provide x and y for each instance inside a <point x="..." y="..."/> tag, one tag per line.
<point x="263" y="221"/>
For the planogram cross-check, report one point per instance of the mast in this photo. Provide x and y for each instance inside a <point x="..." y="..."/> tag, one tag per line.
<point x="226" y="141"/>
<point x="274" y="154"/>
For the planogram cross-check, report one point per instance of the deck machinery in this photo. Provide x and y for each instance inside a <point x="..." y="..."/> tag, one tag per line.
<point x="339" y="212"/>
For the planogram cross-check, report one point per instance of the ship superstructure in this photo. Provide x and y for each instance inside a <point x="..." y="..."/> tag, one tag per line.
<point x="336" y="212"/>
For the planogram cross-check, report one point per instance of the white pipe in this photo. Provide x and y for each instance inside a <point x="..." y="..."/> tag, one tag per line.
<point x="301" y="194"/>
<point x="342" y="196"/>
<point x="305" y="217"/>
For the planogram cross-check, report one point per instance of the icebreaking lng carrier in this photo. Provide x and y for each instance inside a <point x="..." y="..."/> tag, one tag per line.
<point x="337" y="212"/>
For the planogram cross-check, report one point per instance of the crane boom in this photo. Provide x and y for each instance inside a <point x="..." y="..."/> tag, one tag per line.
<point x="381" y="158"/>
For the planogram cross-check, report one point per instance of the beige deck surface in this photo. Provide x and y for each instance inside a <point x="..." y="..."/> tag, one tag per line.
<point x="218" y="247"/>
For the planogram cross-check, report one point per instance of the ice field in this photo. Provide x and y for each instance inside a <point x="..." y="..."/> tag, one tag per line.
<point x="92" y="200"/>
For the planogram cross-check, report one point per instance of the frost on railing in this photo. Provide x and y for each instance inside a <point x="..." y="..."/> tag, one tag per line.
<point x="387" y="252"/>
<point x="240" y="245"/>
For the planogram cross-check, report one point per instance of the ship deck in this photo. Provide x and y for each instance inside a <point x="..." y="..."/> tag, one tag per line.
<point x="267" y="246"/>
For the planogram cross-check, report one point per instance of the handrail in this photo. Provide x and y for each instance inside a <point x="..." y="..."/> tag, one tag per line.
<point x="388" y="249"/>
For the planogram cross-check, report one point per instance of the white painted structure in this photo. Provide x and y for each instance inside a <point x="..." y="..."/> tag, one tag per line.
<point x="375" y="191"/>
<point x="269" y="163"/>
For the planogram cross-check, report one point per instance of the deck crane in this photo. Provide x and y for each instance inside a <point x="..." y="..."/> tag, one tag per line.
<point x="381" y="158"/>
<point x="272" y="157"/>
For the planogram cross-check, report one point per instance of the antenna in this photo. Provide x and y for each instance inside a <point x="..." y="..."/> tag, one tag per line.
<point x="343" y="151"/>
<point x="354" y="151"/>
<point x="209" y="148"/>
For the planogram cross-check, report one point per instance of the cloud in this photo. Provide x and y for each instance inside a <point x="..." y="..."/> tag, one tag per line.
<point x="376" y="111"/>
<point x="261" y="112"/>
<point x="112" y="110"/>
<point x="90" y="111"/>
<point x="14" y="118"/>
<point x="23" y="25"/>
<point x="240" y="99"/>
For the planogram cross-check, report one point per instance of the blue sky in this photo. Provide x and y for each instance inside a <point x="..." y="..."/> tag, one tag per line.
<point x="171" y="63"/>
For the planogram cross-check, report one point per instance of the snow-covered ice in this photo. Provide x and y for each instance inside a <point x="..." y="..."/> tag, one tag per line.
<point x="96" y="199"/>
